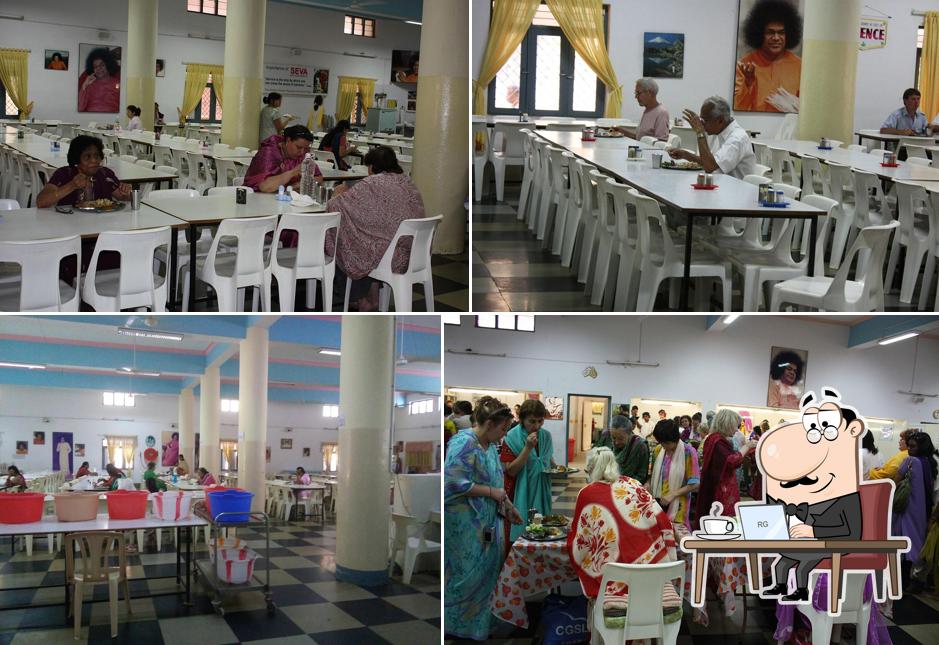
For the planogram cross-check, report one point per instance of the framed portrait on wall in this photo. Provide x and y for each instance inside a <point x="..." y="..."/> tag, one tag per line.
<point x="769" y="56"/>
<point x="39" y="438"/>
<point x="160" y="68"/>
<point x="286" y="444"/>
<point x="306" y="452"/>
<point x="56" y="60"/>
<point x="99" y="79"/>
<point x="555" y="407"/>
<point x="786" y="385"/>
<point x="663" y="55"/>
<point x="79" y="450"/>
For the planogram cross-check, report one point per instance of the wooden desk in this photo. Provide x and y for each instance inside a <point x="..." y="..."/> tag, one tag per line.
<point x="753" y="549"/>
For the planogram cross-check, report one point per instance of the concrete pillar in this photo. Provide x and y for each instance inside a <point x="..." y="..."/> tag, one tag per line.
<point x="441" y="144"/>
<point x="244" y="73"/>
<point x="829" y="69"/>
<point x="209" y="409"/>
<point x="366" y="378"/>
<point x="140" y="62"/>
<point x="187" y="427"/>
<point x="252" y="414"/>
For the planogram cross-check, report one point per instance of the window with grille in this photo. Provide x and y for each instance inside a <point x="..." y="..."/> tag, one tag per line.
<point x="510" y="322"/>
<point x="209" y="110"/>
<point x="359" y="26"/>
<point x="544" y="76"/>
<point x="421" y="407"/>
<point x="9" y="110"/>
<point x="118" y="399"/>
<point x="119" y="451"/>
<point x="211" y="7"/>
<point x="331" y="411"/>
<point x="330" y="457"/>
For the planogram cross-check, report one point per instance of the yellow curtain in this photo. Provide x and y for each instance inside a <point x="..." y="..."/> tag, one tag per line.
<point x="128" y="448"/>
<point x="113" y="445"/>
<point x="582" y="23"/>
<point x="509" y="24"/>
<point x="367" y="90"/>
<point x="228" y="449"/>
<point x="348" y="85"/>
<point x="14" y="72"/>
<point x="197" y="75"/>
<point x="929" y="66"/>
<point x="218" y="79"/>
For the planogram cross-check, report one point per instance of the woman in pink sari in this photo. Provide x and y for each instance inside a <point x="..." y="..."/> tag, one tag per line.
<point x="278" y="160"/>
<point x="302" y="479"/>
<point x="171" y="451"/>
<point x="371" y="211"/>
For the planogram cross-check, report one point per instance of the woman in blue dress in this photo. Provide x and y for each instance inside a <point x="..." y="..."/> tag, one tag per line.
<point x="475" y="504"/>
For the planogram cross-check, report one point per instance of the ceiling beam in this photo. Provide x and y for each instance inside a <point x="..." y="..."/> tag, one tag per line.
<point x="869" y="332"/>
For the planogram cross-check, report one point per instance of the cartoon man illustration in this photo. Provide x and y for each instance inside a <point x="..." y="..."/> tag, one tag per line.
<point x="811" y="468"/>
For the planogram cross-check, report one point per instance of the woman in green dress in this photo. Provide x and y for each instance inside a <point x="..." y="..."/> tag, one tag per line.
<point x="475" y="505"/>
<point x="526" y="454"/>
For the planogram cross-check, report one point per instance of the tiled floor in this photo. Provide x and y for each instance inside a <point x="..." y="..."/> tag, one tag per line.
<point x="511" y="271"/>
<point x="915" y="617"/>
<point x="312" y="607"/>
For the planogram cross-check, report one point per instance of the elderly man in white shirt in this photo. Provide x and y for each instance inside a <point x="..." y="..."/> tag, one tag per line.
<point x="728" y="148"/>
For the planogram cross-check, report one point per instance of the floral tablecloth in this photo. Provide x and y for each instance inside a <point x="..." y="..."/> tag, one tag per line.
<point x="530" y="568"/>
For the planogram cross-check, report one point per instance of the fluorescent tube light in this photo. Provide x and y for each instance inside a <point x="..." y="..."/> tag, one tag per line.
<point x="132" y="372"/>
<point x="413" y="22"/>
<point x="25" y="366"/>
<point x="144" y="333"/>
<point x="331" y="352"/>
<point x="897" y="339"/>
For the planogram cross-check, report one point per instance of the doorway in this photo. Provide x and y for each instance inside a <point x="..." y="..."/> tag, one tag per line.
<point x="588" y="415"/>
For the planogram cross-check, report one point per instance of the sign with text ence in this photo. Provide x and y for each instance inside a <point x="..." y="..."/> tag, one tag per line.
<point x="873" y="34"/>
<point x="295" y="79"/>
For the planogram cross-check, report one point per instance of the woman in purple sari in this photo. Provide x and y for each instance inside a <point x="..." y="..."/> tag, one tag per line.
<point x="914" y="519"/>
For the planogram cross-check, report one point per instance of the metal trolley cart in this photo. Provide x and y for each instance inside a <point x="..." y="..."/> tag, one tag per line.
<point x="205" y="568"/>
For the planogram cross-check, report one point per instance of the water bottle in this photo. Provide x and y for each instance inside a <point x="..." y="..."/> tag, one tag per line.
<point x="175" y="478"/>
<point x="282" y="194"/>
<point x="306" y="175"/>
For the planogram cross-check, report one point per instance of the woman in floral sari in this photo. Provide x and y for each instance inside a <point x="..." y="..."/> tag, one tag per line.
<point x="474" y="506"/>
<point x="616" y="520"/>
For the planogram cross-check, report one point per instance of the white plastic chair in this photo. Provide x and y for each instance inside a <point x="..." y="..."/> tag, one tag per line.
<point x="602" y="285"/>
<point x="145" y="163"/>
<point x="854" y="611"/>
<point x="783" y="166"/>
<point x="788" y="126"/>
<point x="857" y="147"/>
<point x="841" y="185"/>
<point x="539" y="183"/>
<point x="864" y="293"/>
<point x="410" y="537"/>
<point x="580" y="201"/>
<point x="9" y="205"/>
<point x="419" y="268"/>
<point x="871" y="206"/>
<point x="39" y="287"/>
<point x="932" y="256"/>
<point x="229" y="272"/>
<point x="548" y="200"/>
<point x="128" y="158"/>
<point x="225" y="173"/>
<point x="511" y="153"/>
<point x="163" y="155"/>
<point x="648" y="141"/>
<point x="306" y="261"/>
<point x="663" y="259"/>
<point x="644" y="619"/>
<point x="560" y="161"/>
<point x="480" y="158"/>
<point x="137" y="283"/>
<point x="915" y="214"/>
<point x="914" y="148"/>
<point x="814" y="178"/>
<point x="200" y="175"/>
<point x="528" y="173"/>
<point x="918" y="161"/>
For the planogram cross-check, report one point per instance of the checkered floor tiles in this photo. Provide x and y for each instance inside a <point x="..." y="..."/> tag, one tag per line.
<point x="915" y="617"/>
<point x="312" y="607"/>
<point x="512" y="272"/>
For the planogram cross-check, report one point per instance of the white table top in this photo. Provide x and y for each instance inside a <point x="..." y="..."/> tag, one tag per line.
<point x="856" y="159"/>
<point x="284" y="484"/>
<point x="46" y="223"/>
<point x="51" y="524"/>
<point x="673" y="187"/>
<point x="182" y="484"/>
<point x="51" y="122"/>
<point x="214" y="208"/>
<point x="875" y="135"/>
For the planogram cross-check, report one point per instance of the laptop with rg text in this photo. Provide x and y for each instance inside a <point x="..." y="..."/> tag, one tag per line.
<point x="763" y="522"/>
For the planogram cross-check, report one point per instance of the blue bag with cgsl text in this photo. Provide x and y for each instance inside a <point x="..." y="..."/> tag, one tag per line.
<point x="564" y="620"/>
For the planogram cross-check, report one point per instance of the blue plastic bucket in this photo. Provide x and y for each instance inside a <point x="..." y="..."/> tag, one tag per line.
<point x="231" y="501"/>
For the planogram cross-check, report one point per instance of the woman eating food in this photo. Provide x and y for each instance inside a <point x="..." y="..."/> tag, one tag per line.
<point x="278" y="161"/>
<point x="526" y="454"/>
<point x="84" y="179"/>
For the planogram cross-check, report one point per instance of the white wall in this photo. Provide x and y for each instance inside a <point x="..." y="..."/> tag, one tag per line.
<point x="710" y="367"/>
<point x="24" y="410"/>
<point x="53" y="24"/>
<point x="710" y="30"/>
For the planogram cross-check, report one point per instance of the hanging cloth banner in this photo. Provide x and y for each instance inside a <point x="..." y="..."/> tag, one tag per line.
<point x="873" y="34"/>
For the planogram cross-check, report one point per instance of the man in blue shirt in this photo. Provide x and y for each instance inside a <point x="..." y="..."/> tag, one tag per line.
<point x="908" y="120"/>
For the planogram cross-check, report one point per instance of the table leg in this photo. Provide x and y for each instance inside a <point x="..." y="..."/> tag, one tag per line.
<point x="194" y="232"/>
<point x="894" y="563"/>
<point x="171" y="268"/>
<point x="188" y="602"/>
<point x="834" y="602"/>
<point x="700" y="565"/>
<point x="178" y="577"/>
<point x="813" y="234"/>
<point x="686" y="277"/>
<point x="754" y="577"/>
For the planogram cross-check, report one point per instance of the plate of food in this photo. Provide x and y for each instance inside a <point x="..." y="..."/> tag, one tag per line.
<point x="99" y="206"/>
<point x="554" y="520"/>
<point x="560" y="470"/>
<point x="609" y="133"/>
<point x="542" y="533"/>
<point x="680" y="164"/>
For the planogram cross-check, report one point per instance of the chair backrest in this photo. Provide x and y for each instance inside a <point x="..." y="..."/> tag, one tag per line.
<point x="653" y="227"/>
<point x="225" y="172"/>
<point x="528" y="149"/>
<point x="422" y="230"/>
<point x="137" y="249"/>
<point x="781" y="163"/>
<point x="145" y="163"/>
<point x="228" y="190"/>
<point x="857" y="147"/>
<point x="511" y="134"/>
<point x="39" y="270"/>
<point x="312" y="229"/>
<point x="876" y="502"/>
<point x="403" y="524"/>
<point x="645" y="582"/>
<point x="128" y="158"/>
<point x="914" y="148"/>
<point x="831" y="207"/>
<point x="97" y="549"/>
<point x="623" y="211"/>
<point x="250" y="233"/>
<point x="910" y="197"/>
<point x="918" y="161"/>
<point x="874" y="238"/>
<point x="839" y="178"/>
<point x="480" y="140"/>
<point x="162" y="155"/>
<point x="788" y="126"/>
<point x="647" y="140"/>
<point x="674" y="141"/>
<point x="560" y="158"/>
<point x="867" y="186"/>
<point x="9" y="205"/>
<point x="174" y="192"/>
<point x="813" y="173"/>
<point x="606" y="216"/>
